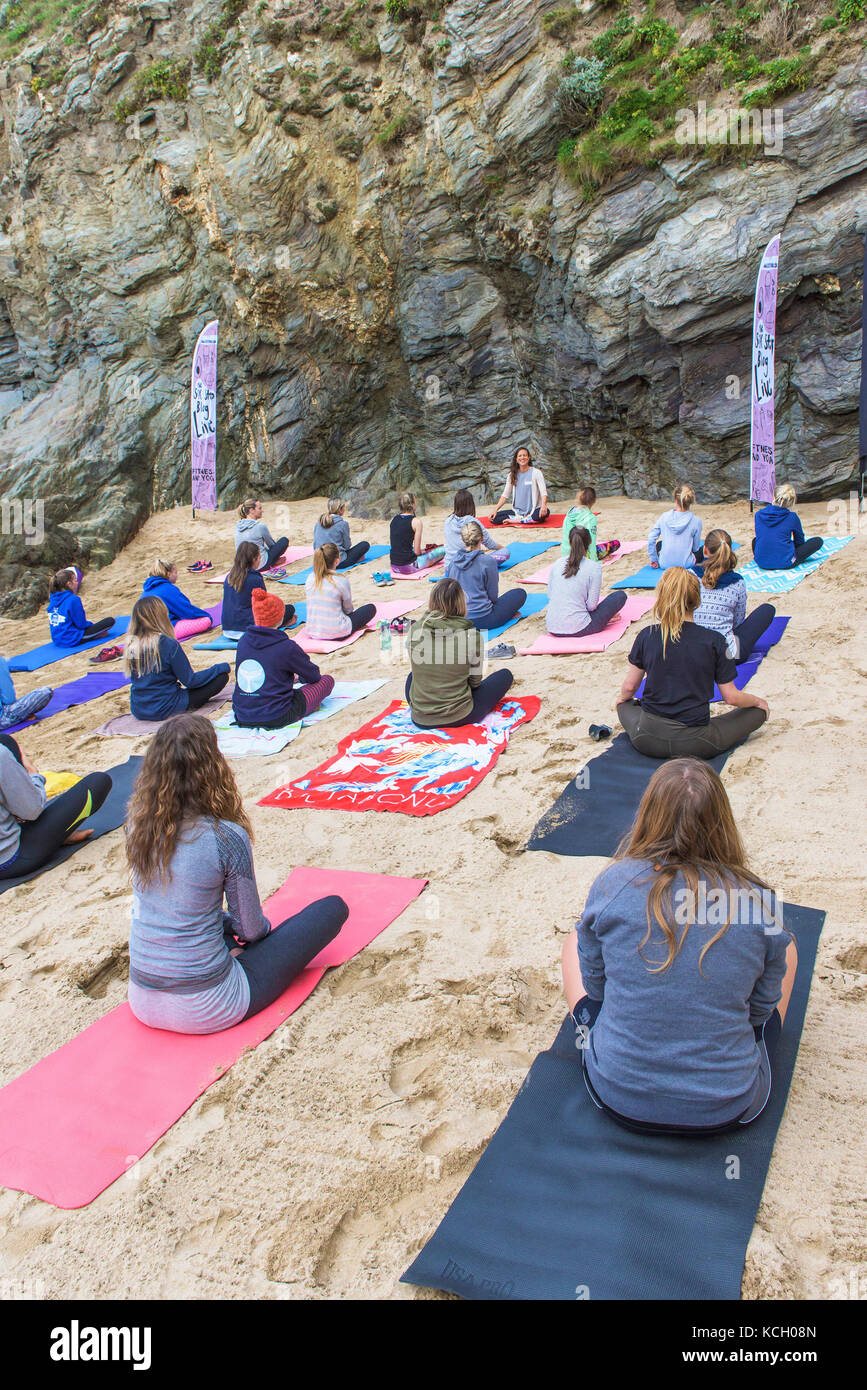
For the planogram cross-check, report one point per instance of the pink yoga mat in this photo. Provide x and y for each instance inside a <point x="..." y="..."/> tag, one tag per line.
<point x="289" y="556"/>
<point x="543" y="575"/>
<point x="81" y="1117"/>
<point x="127" y="726"/>
<point x="633" y="609"/>
<point x="384" y="613"/>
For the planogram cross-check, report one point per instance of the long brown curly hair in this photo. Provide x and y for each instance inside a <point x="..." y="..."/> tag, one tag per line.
<point x="184" y="776"/>
<point x="513" y="466"/>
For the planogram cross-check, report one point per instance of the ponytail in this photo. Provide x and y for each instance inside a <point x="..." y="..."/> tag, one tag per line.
<point x="324" y="560"/>
<point x="60" y="581"/>
<point x="245" y="507"/>
<point x="579" y="547"/>
<point x="406" y="502"/>
<point x="684" y="496"/>
<point x="335" y="506"/>
<point x="471" y="535"/>
<point x="722" y="559"/>
<point x="587" y="496"/>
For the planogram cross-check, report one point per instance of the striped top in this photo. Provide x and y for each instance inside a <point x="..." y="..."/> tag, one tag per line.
<point x="328" y="608"/>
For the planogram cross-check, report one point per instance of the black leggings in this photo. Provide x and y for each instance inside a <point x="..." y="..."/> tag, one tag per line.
<point x="499" y="518"/>
<point x="601" y="616"/>
<point x="42" y="838"/>
<point x="272" y="963"/>
<point x="486" y="696"/>
<point x="503" y="610"/>
<point x="275" y="551"/>
<point x="802" y="552"/>
<point x="95" y="630"/>
<point x="657" y="737"/>
<point x="750" y="630"/>
<point x="354" y="554"/>
<point x="362" y="616"/>
<point x="202" y="693"/>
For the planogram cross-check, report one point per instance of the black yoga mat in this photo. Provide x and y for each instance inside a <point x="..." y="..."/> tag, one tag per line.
<point x="110" y="815"/>
<point x="595" y="810"/>
<point x="565" y="1203"/>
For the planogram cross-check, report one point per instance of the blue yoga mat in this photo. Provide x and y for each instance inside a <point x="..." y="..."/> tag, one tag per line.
<point x="44" y="655"/>
<point x="747" y="669"/>
<point x="226" y="644"/>
<point x="533" y="603"/>
<point x="647" y="577"/>
<point x="565" y="1203"/>
<point x="520" y="551"/>
<point x="375" y="552"/>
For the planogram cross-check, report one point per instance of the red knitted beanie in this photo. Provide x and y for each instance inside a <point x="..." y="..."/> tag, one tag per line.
<point x="267" y="608"/>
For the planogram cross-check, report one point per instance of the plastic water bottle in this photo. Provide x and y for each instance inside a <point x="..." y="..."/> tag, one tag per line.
<point x="384" y="637"/>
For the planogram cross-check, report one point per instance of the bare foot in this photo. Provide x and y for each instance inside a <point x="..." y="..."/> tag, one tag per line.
<point x="77" y="836"/>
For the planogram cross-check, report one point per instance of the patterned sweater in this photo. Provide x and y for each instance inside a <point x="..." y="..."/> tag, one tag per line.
<point x="724" y="607"/>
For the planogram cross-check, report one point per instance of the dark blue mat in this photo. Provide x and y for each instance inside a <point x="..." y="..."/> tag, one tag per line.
<point x="110" y="816"/>
<point x="566" y="1204"/>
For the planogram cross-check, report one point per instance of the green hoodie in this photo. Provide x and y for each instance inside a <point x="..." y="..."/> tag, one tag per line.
<point x="446" y="656"/>
<point x="578" y="516"/>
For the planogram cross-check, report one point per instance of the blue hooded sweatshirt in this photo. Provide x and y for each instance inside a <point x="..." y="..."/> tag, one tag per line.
<point x="478" y="576"/>
<point x="266" y="666"/>
<point x="778" y="531"/>
<point x="178" y="604"/>
<point x="237" y="613"/>
<point x="158" y="694"/>
<point x="680" y="534"/>
<point x="66" y="618"/>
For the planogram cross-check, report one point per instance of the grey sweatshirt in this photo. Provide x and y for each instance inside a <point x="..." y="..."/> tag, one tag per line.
<point x="571" y="602"/>
<point x="337" y="534"/>
<point x="256" y="531"/>
<point x="676" y="1047"/>
<point x="452" y="527"/>
<point x="181" y="975"/>
<point x="478" y="576"/>
<point x="22" y="797"/>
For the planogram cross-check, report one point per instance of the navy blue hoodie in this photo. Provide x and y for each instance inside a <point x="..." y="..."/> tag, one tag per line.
<point x="266" y="665"/>
<point x="158" y="694"/>
<point x="778" y="531"/>
<point x="178" y="604"/>
<point x="66" y="618"/>
<point x="237" y="613"/>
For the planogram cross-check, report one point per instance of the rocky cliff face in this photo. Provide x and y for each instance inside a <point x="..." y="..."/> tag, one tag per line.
<point x="407" y="284"/>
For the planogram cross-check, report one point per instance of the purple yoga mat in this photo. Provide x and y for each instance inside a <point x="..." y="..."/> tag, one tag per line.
<point x="77" y="692"/>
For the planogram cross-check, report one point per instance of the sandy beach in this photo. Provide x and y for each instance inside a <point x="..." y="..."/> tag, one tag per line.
<point x="319" y="1165"/>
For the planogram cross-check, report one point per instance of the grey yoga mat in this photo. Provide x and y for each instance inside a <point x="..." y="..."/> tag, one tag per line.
<point x="566" y="1204"/>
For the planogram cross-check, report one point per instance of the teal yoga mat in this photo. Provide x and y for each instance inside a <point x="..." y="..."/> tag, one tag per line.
<point x="375" y="552"/>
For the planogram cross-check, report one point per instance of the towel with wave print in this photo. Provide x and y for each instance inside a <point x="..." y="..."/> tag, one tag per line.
<point x="390" y="764"/>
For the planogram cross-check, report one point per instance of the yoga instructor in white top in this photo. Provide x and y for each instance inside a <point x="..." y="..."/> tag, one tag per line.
<point x="524" y="492"/>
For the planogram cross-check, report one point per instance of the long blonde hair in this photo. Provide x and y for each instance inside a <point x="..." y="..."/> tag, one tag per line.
<point x="324" y="560"/>
<point x="684" y="496"/>
<point x="685" y="825"/>
<point x="722" y="559"/>
<point x="678" y="595"/>
<point x="472" y="535"/>
<point x="336" y="506"/>
<point x="148" y="622"/>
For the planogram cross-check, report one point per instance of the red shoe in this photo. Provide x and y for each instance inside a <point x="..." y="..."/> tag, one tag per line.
<point x="107" y="654"/>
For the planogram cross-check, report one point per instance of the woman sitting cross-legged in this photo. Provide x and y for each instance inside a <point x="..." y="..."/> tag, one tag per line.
<point x="194" y="968"/>
<point x="525" y="495"/>
<point x="238" y="587"/>
<point x="446" y="651"/>
<point x="574" y="606"/>
<point x="682" y="661"/>
<point x="680" y="971"/>
<point x="723" y="604"/>
<point x="32" y="829"/>
<point x="464" y="509"/>
<point x="266" y="668"/>
<point x="407" y="552"/>
<point x="14" y="709"/>
<point x="332" y="527"/>
<point x="478" y="575"/>
<point x="251" y="527"/>
<point x="66" y="616"/>
<point x="779" y="542"/>
<point x="330" y="614"/>
<point x="162" y="582"/>
<point x="163" y="681"/>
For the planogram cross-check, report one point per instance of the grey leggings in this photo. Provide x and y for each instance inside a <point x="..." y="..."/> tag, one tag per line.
<point x="656" y="737"/>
